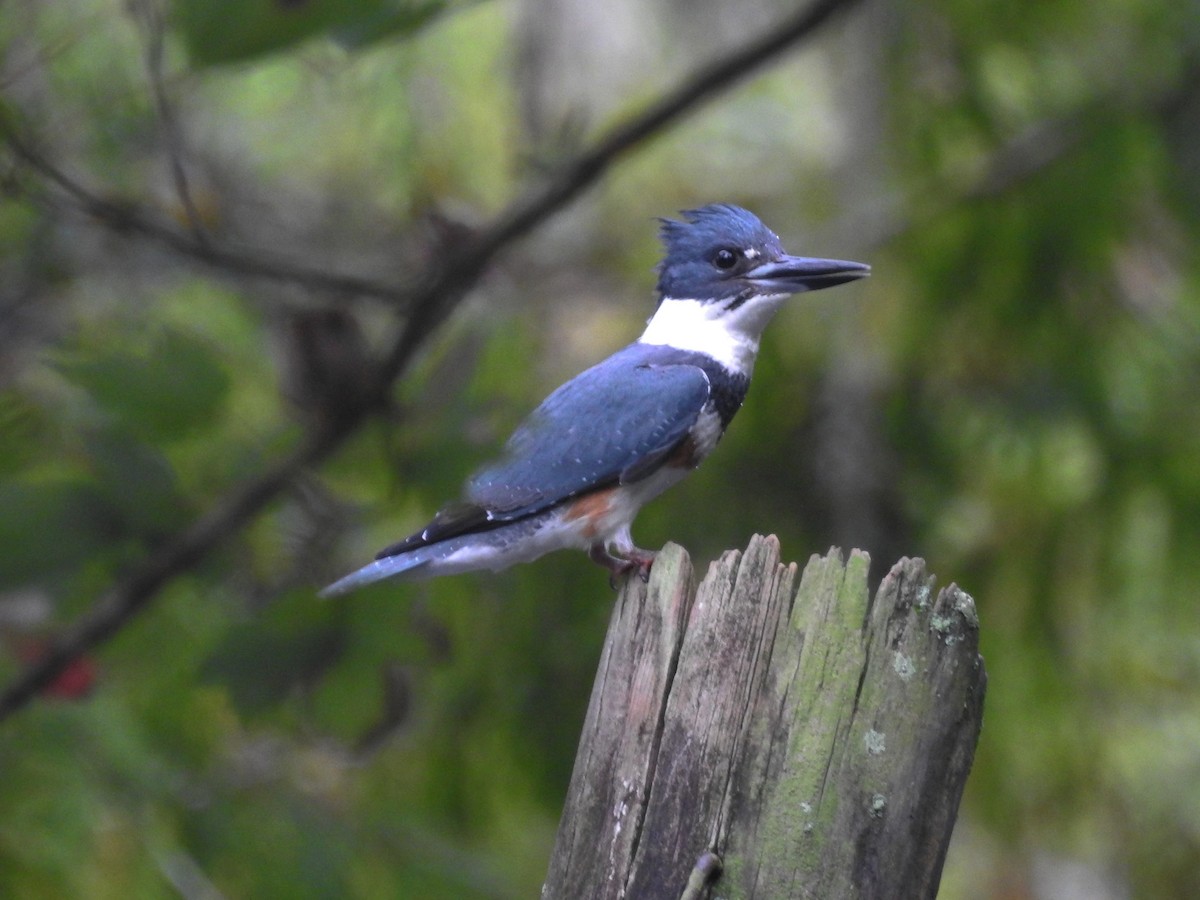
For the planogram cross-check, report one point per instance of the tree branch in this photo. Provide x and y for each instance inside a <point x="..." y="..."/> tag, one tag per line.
<point x="429" y="301"/>
<point x="150" y="14"/>
<point x="127" y="219"/>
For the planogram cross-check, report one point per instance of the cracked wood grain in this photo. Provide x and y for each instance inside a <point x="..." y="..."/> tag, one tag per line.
<point x="815" y="740"/>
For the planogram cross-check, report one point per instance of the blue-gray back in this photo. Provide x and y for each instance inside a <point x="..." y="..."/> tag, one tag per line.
<point x="615" y="423"/>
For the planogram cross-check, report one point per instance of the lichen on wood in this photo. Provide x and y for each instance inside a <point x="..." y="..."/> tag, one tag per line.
<point x="811" y="738"/>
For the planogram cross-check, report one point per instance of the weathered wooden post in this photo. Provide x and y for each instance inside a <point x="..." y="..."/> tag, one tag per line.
<point x="748" y="739"/>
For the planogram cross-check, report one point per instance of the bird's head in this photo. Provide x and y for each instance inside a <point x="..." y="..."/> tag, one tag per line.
<point x="724" y="254"/>
<point x="723" y="276"/>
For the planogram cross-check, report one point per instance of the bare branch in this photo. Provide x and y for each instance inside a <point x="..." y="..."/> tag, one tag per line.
<point x="127" y="219"/>
<point x="430" y="300"/>
<point x="150" y="13"/>
<point x="709" y="81"/>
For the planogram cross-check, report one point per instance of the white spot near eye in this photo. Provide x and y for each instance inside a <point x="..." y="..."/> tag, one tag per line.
<point x="750" y="253"/>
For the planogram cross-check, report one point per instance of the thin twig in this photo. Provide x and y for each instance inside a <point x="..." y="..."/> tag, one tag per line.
<point x="429" y="302"/>
<point x="128" y="220"/>
<point x="151" y="15"/>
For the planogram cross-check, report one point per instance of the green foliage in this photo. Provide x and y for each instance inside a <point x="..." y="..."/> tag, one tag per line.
<point x="297" y="638"/>
<point x="225" y="31"/>
<point x="172" y="388"/>
<point x="1012" y="396"/>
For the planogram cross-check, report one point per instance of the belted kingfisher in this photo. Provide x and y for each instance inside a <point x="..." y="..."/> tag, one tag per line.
<point x="577" y="471"/>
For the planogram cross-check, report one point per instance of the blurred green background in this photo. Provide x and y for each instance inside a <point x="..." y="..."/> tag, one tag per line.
<point x="1013" y="395"/>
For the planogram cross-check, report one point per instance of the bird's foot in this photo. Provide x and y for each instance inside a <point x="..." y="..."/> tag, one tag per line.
<point x="634" y="560"/>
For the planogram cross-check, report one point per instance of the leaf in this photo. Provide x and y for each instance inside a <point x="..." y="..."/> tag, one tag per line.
<point x="224" y="31"/>
<point x="137" y="481"/>
<point x="27" y="429"/>
<point x="174" y="389"/>
<point x="49" y="527"/>
<point x="262" y="662"/>
<point x="392" y="18"/>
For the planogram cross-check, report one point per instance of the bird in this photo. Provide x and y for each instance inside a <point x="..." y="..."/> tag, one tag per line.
<point x="576" y="472"/>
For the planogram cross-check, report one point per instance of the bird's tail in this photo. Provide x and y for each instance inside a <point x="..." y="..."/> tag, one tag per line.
<point x="371" y="573"/>
<point x="380" y="569"/>
<point x="498" y="548"/>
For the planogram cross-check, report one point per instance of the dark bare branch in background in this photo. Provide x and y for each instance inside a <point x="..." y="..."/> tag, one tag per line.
<point x="56" y="187"/>
<point x="427" y="301"/>
<point x="150" y="15"/>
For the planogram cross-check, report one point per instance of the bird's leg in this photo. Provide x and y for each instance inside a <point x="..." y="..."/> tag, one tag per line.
<point x="641" y="560"/>
<point x="633" y="560"/>
<point x="633" y="556"/>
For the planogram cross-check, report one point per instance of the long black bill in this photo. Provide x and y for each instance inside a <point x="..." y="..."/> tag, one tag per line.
<point x="793" y="274"/>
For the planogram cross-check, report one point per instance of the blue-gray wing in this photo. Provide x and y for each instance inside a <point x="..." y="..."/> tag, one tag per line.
<point x="615" y="423"/>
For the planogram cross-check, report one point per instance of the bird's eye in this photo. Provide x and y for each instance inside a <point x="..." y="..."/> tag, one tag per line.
<point x="725" y="258"/>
